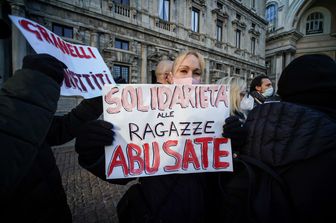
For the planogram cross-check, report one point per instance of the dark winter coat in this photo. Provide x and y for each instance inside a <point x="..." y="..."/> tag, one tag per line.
<point x="299" y="144"/>
<point x="168" y="198"/>
<point x="31" y="189"/>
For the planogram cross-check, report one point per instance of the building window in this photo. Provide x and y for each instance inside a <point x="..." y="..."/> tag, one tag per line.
<point x="237" y="71"/>
<point x="238" y="16"/>
<point x="218" y="66"/>
<point x="122" y="2"/>
<point x="271" y="16"/>
<point x="121" y="44"/>
<point x="253" y="25"/>
<point x="219" y="30"/>
<point x="253" y="45"/>
<point x="268" y="67"/>
<point x="62" y="30"/>
<point x="164" y="9"/>
<point x="219" y="5"/>
<point x="195" y="20"/>
<point x="253" y="4"/>
<point x="314" y="23"/>
<point x="121" y="72"/>
<point x="238" y="36"/>
<point x="252" y="75"/>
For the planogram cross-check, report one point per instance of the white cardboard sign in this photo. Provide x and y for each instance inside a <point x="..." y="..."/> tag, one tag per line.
<point x="86" y="73"/>
<point x="165" y="129"/>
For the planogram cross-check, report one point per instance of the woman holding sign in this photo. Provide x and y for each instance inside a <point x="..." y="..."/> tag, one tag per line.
<point x="165" y="198"/>
<point x="188" y="68"/>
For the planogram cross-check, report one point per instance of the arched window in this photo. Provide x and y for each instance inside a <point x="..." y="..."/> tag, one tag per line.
<point x="314" y="23"/>
<point x="271" y="16"/>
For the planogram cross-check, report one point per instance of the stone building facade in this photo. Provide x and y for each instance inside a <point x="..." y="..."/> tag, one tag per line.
<point x="298" y="27"/>
<point x="133" y="35"/>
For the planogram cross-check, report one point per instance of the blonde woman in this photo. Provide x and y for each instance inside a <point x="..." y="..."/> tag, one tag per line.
<point x="188" y="68"/>
<point x="233" y="127"/>
<point x="238" y="91"/>
<point x="165" y="198"/>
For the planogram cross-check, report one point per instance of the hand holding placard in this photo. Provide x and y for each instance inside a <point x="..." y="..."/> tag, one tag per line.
<point x="91" y="140"/>
<point x="235" y="130"/>
<point x="45" y="64"/>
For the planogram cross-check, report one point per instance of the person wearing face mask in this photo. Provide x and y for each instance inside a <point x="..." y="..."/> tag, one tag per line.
<point x="240" y="105"/>
<point x="188" y="68"/>
<point x="295" y="141"/>
<point x="165" y="198"/>
<point x="236" y="131"/>
<point x="261" y="89"/>
<point x="240" y="101"/>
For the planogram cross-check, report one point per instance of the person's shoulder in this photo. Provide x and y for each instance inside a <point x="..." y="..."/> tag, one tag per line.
<point x="274" y="98"/>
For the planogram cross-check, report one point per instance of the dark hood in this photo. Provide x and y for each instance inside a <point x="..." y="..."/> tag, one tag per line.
<point x="310" y="80"/>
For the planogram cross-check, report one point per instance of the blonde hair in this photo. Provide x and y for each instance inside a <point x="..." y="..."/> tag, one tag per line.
<point x="180" y="58"/>
<point x="237" y="85"/>
<point x="164" y="66"/>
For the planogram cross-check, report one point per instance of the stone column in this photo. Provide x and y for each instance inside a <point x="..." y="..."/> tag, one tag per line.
<point x="207" y="72"/>
<point x="246" y="73"/>
<point x="143" y="74"/>
<point x="94" y="40"/>
<point x="19" y="47"/>
<point x="278" y="68"/>
<point x="288" y="58"/>
<point x="229" y="70"/>
<point x="87" y="37"/>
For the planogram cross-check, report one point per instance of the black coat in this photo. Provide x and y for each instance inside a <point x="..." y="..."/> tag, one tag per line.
<point x="167" y="198"/>
<point x="299" y="144"/>
<point x="31" y="189"/>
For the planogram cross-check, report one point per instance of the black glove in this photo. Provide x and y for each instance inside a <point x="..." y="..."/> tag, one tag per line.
<point x="45" y="64"/>
<point x="91" y="140"/>
<point x="89" y="109"/>
<point x="5" y="29"/>
<point x="236" y="131"/>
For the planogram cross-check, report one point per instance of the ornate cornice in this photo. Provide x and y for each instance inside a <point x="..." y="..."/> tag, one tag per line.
<point x="220" y="14"/>
<point x="254" y="32"/>
<point x="237" y="24"/>
<point x="292" y="34"/>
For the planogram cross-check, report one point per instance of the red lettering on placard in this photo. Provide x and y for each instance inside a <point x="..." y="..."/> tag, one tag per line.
<point x="145" y="159"/>
<point x="118" y="159"/>
<point x="111" y="100"/>
<point x="204" y="150"/>
<point x="151" y="169"/>
<point x="45" y="35"/>
<point x="170" y="152"/>
<point x="189" y="156"/>
<point x="220" y="153"/>
<point x="134" y="158"/>
<point x="28" y="26"/>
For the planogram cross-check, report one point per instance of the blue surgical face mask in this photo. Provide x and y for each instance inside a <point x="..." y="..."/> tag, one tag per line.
<point x="268" y="92"/>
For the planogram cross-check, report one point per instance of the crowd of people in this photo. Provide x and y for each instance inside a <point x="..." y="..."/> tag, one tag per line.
<point x="283" y="148"/>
